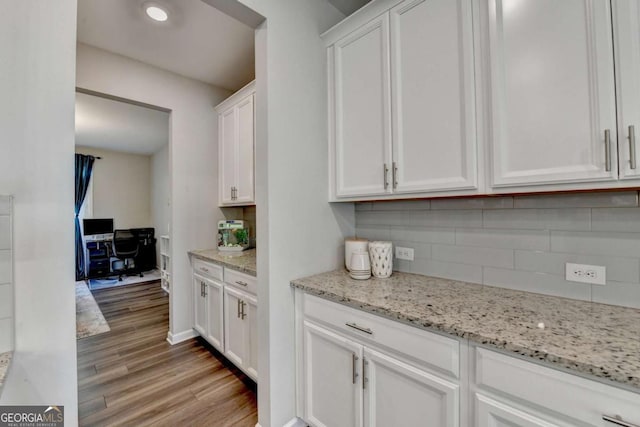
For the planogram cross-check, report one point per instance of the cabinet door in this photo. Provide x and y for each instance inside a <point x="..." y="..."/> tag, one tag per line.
<point x="361" y="110"/>
<point x="251" y="319"/>
<point x="245" y="151"/>
<point x="402" y="395"/>
<point x="200" y="306"/>
<point x="234" y="327"/>
<point x="215" y="315"/>
<point x="333" y="391"/>
<point x="491" y="413"/>
<point x="227" y="123"/>
<point x="551" y="91"/>
<point x="433" y="103"/>
<point x="626" y="30"/>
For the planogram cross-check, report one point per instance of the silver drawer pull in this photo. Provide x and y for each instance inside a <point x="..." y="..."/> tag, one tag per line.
<point x="607" y="150"/>
<point x="241" y="283"/>
<point x="617" y="419"/>
<point x="632" y="147"/>
<point x="354" y="368"/>
<point x="204" y="269"/>
<point x="359" y="328"/>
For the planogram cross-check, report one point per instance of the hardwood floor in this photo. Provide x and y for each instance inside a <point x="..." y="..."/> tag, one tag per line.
<point x="132" y="376"/>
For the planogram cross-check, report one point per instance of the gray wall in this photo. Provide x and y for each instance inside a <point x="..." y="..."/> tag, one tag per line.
<point x="517" y="242"/>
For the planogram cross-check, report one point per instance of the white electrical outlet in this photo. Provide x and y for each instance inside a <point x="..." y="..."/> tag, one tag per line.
<point x="404" y="253"/>
<point x="595" y="274"/>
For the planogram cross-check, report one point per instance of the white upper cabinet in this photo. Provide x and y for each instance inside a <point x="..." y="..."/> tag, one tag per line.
<point x="236" y="148"/>
<point x="433" y="96"/>
<point x="627" y="50"/>
<point x="402" y="102"/>
<point x="551" y="91"/>
<point x="361" y="110"/>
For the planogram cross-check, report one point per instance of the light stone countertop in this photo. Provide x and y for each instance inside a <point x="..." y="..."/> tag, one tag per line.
<point x="589" y="338"/>
<point x="5" y="362"/>
<point x="244" y="262"/>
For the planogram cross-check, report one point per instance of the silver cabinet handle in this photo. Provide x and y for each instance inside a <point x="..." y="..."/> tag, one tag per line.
<point x="395" y="175"/>
<point x="243" y="314"/>
<point x="632" y="147"/>
<point x="205" y="269"/>
<point x="238" y="308"/>
<point x="359" y="328"/>
<point x="365" y="363"/>
<point x="607" y="150"/>
<point x="354" y="368"/>
<point x="241" y="283"/>
<point x="617" y="419"/>
<point x="385" y="173"/>
<point x="202" y="289"/>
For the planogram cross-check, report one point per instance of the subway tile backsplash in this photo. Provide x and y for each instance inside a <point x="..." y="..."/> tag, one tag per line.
<point x="6" y="275"/>
<point x="518" y="242"/>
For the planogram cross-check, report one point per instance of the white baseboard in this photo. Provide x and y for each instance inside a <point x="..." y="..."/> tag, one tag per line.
<point x="296" y="422"/>
<point x="174" y="339"/>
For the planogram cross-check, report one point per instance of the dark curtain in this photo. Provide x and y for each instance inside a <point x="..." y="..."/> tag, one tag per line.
<point x="84" y="166"/>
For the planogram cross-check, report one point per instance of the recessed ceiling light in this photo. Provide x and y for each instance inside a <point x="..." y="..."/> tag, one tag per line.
<point x="156" y="13"/>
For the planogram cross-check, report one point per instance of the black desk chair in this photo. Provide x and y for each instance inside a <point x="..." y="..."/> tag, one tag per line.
<point x="125" y="248"/>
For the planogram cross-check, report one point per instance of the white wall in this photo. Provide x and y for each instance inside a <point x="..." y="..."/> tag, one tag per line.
<point x="121" y="187"/>
<point x="160" y="195"/>
<point x="291" y="184"/>
<point x="192" y="151"/>
<point x="37" y="83"/>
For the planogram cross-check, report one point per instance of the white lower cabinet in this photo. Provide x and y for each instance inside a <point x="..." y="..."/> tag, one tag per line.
<point x="356" y="369"/>
<point x="208" y="310"/>
<point x="199" y="305"/>
<point x="332" y="365"/>
<point x="398" y="394"/>
<point x="240" y="327"/>
<point x="513" y="392"/>
<point x="350" y="382"/>
<point x="225" y="315"/>
<point x="491" y="413"/>
<point x="215" y="314"/>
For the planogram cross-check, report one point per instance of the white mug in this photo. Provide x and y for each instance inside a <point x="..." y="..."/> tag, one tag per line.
<point x="360" y="261"/>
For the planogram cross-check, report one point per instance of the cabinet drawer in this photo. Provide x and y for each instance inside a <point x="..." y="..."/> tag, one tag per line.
<point x="426" y="348"/>
<point x="547" y="389"/>
<point x="241" y="281"/>
<point x="207" y="269"/>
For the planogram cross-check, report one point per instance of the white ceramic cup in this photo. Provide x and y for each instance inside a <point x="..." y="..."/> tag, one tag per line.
<point x="381" y="255"/>
<point x="351" y="245"/>
<point x="360" y="261"/>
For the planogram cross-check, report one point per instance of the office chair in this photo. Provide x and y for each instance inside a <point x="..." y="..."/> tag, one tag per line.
<point x="125" y="248"/>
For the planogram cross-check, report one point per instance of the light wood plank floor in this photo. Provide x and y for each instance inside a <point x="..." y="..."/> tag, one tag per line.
<point x="132" y="376"/>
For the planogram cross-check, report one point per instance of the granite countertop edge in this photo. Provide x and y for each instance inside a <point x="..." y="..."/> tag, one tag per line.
<point x="226" y="262"/>
<point x="557" y="361"/>
<point x="5" y="365"/>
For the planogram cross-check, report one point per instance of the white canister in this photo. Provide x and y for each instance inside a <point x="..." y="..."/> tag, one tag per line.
<point x="381" y="256"/>
<point x="352" y="245"/>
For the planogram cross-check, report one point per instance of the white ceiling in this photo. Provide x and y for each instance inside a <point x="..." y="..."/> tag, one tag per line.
<point x="119" y="126"/>
<point x="348" y="6"/>
<point x="197" y="41"/>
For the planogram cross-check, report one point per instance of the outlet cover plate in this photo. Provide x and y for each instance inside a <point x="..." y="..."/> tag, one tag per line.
<point x="404" y="253"/>
<point x="583" y="273"/>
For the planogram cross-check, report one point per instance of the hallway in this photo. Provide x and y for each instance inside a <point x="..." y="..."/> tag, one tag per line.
<point x="132" y="376"/>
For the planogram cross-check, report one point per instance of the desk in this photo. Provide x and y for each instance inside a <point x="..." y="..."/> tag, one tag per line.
<point x="98" y="250"/>
<point x="100" y="255"/>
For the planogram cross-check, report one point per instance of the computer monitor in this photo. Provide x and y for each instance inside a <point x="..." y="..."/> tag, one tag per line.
<point x="97" y="226"/>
